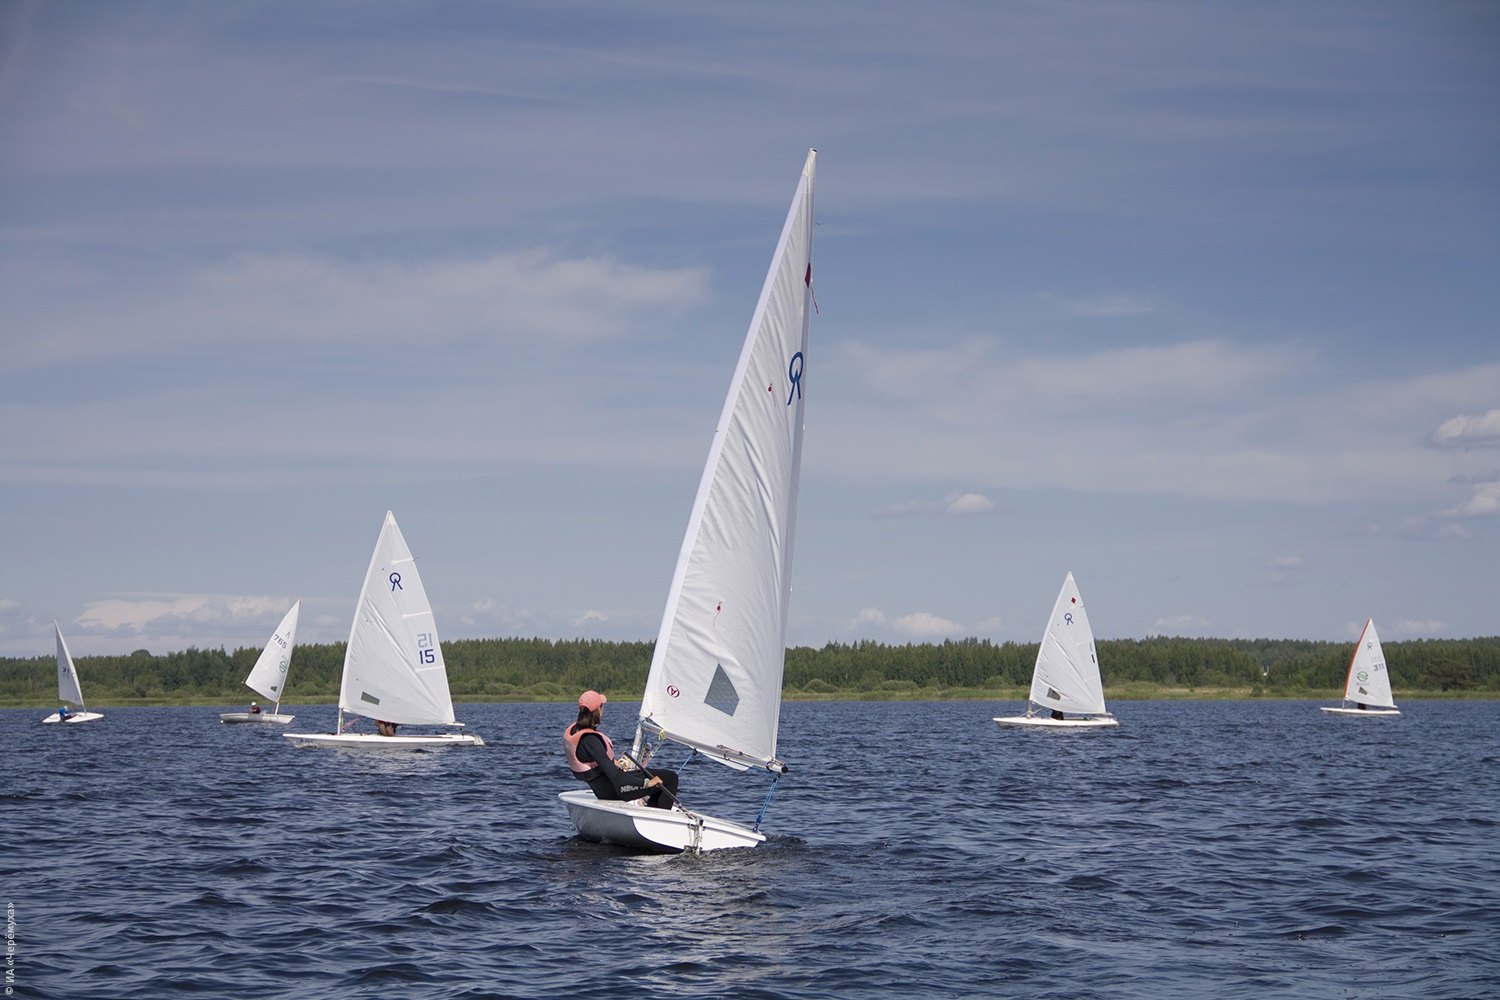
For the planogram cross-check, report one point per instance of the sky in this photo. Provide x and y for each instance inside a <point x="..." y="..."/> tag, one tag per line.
<point x="1196" y="301"/>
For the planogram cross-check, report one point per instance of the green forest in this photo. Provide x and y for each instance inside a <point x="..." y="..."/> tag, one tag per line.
<point x="556" y="670"/>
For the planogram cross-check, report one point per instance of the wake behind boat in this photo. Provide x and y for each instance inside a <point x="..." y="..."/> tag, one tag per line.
<point x="715" y="679"/>
<point x="268" y="677"/>
<point x="393" y="667"/>
<point x="1066" y="676"/>
<point x="1367" y="687"/>
<point x="69" y="692"/>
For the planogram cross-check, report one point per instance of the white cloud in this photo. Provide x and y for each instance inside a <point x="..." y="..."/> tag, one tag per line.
<point x="1106" y="306"/>
<point x="953" y="503"/>
<point x="1202" y="419"/>
<point x="1419" y="627"/>
<point x="970" y="503"/>
<point x="1284" y="569"/>
<point x="923" y="624"/>
<point x="184" y="613"/>
<point x="1484" y="503"/>
<point x="1464" y="430"/>
<point x="590" y="616"/>
<point x="868" y="616"/>
<point x="527" y="299"/>
<point x="1179" y="625"/>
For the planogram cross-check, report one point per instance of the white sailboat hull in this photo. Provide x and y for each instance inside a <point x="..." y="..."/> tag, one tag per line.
<point x="1047" y="722"/>
<point x="276" y="717"/>
<point x="1332" y="710"/>
<point x="630" y="824"/>
<point x="374" y="741"/>
<point x="74" y="717"/>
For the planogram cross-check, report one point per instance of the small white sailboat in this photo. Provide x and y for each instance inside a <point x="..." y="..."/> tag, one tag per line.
<point x="68" y="690"/>
<point x="715" y="679"/>
<point x="393" y="667"/>
<point x="268" y="677"/>
<point x="1367" y="689"/>
<point x="1066" y="675"/>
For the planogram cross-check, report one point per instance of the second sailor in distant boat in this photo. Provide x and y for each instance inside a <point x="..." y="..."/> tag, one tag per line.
<point x="591" y="758"/>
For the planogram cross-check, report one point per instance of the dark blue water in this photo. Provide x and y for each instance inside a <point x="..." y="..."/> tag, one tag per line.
<point x="1204" y="849"/>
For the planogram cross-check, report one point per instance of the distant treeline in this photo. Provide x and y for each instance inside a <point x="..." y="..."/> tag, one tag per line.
<point x="547" y="670"/>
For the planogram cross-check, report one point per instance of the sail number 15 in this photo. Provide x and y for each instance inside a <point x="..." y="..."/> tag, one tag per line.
<point x="426" y="648"/>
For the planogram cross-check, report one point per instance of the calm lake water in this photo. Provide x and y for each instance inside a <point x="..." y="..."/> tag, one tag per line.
<point x="1204" y="849"/>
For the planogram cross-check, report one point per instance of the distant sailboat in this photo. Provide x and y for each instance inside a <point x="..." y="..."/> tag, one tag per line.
<point x="268" y="676"/>
<point x="393" y="667"/>
<point x="715" y="679"/>
<point x="1367" y="688"/>
<point x="68" y="690"/>
<point x="1066" y="676"/>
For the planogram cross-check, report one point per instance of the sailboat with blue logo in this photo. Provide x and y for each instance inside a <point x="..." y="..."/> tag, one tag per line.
<point x="714" y="686"/>
<point x="394" y="674"/>
<point x="1066" y="689"/>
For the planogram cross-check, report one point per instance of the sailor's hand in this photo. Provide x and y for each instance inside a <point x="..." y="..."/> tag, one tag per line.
<point x="623" y="763"/>
<point x="653" y="782"/>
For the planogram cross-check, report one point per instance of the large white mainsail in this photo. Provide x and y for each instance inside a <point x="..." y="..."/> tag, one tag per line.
<point x="1066" y="677"/>
<point x="1369" y="683"/>
<point x="715" y="678"/>
<point x="393" y="667"/>
<point x="69" y="691"/>
<point x="268" y="676"/>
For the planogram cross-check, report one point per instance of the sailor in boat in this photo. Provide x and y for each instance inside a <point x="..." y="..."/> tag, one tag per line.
<point x="385" y="728"/>
<point x="1056" y="714"/>
<point x="63" y="713"/>
<point x="254" y="708"/>
<point x="591" y="759"/>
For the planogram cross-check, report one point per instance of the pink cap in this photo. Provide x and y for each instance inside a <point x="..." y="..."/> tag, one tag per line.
<point x="591" y="700"/>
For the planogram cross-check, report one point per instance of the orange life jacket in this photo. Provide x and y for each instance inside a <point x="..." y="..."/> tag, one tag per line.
<point x="570" y="747"/>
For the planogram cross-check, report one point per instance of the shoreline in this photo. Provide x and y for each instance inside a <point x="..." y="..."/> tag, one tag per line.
<point x="1134" y="692"/>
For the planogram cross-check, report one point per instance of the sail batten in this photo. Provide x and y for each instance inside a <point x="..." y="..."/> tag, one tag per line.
<point x="716" y="672"/>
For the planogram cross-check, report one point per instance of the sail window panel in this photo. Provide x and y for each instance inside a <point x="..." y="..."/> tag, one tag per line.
<point x="721" y="692"/>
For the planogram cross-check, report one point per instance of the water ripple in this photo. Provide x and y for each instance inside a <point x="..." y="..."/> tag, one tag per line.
<point x="1205" y="849"/>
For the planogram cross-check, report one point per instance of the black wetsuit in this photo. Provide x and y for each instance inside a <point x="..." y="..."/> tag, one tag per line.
<point x="609" y="782"/>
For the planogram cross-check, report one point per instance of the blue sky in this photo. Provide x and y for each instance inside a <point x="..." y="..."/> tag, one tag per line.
<point x="1197" y="301"/>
